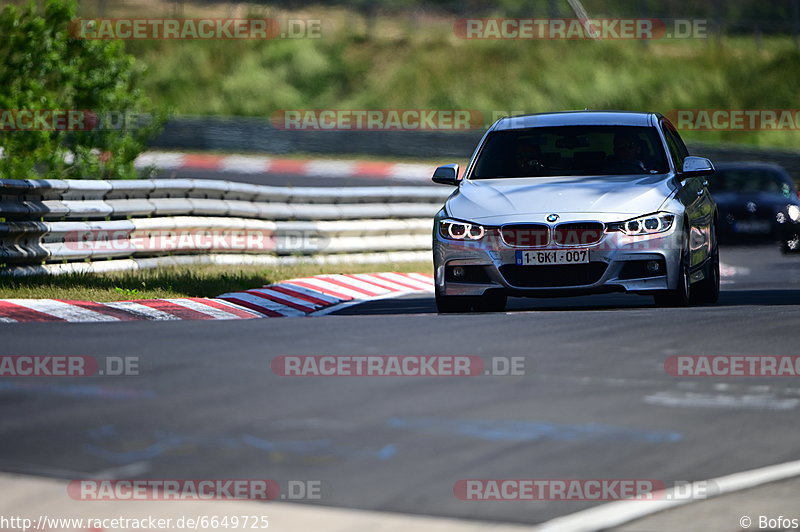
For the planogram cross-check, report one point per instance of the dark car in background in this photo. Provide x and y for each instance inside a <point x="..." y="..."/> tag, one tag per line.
<point x="757" y="202"/>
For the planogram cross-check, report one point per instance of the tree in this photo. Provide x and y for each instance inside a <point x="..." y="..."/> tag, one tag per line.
<point x="69" y="107"/>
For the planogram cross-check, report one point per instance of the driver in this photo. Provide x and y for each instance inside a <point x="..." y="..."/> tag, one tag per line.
<point x="626" y="158"/>
<point x="528" y="155"/>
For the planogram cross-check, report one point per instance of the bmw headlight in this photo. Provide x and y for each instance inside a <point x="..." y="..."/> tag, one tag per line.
<point x="651" y="224"/>
<point x="794" y="213"/>
<point x="455" y="230"/>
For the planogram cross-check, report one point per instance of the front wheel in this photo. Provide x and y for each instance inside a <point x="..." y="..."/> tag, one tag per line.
<point x="452" y="304"/>
<point x="681" y="295"/>
<point x="706" y="292"/>
<point x="491" y="302"/>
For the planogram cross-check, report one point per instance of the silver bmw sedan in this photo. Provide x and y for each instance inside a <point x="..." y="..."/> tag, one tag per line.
<point x="573" y="203"/>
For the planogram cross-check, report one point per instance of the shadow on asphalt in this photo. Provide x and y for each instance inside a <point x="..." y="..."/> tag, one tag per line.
<point x="425" y="304"/>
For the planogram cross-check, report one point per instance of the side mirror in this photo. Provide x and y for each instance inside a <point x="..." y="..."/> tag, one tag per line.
<point x="446" y="175"/>
<point x="696" y="167"/>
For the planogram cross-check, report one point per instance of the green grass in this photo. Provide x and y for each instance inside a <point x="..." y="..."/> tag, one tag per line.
<point x="400" y="65"/>
<point x="195" y="281"/>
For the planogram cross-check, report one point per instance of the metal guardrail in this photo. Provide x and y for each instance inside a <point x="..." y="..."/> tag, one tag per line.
<point x="44" y="223"/>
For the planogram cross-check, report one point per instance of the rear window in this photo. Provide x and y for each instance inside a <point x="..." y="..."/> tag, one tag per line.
<point x="571" y="151"/>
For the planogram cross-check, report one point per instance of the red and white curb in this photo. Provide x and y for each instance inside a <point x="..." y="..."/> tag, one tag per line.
<point x="322" y="294"/>
<point x="26" y="310"/>
<point x="246" y="164"/>
<point x="307" y="296"/>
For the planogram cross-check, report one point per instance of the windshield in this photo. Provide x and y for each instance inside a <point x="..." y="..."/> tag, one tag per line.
<point x="750" y="180"/>
<point x="571" y="151"/>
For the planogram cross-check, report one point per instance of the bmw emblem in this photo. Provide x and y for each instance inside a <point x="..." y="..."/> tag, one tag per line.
<point x="552" y="217"/>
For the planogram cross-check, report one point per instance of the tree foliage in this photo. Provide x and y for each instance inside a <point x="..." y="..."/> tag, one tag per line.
<point x="43" y="68"/>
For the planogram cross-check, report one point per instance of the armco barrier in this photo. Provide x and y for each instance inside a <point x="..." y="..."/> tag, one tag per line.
<point x="59" y="225"/>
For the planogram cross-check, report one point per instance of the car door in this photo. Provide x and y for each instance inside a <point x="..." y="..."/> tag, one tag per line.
<point x="695" y="197"/>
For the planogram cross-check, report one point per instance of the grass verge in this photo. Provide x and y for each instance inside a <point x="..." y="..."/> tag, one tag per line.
<point x="194" y="281"/>
<point x="398" y="64"/>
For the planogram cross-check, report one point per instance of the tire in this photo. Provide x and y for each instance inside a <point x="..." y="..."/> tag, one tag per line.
<point x="706" y="292"/>
<point x="453" y="304"/>
<point x="491" y="302"/>
<point x="681" y="296"/>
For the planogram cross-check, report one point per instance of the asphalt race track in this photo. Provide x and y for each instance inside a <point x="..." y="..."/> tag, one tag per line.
<point x="595" y="401"/>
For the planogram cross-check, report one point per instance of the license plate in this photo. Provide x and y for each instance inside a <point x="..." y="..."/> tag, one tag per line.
<point x="752" y="226"/>
<point x="555" y="257"/>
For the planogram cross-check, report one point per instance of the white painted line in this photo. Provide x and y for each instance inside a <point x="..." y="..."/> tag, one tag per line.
<point x="265" y="303"/>
<point x="707" y="400"/>
<point x="312" y="293"/>
<point x="618" y="513"/>
<point x="65" y="311"/>
<point x="7" y="320"/>
<point x="725" y="270"/>
<point x="142" y="310"/>
<point x="204" y="309"/>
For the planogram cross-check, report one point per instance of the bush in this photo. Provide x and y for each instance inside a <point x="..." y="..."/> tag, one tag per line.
<point x="42" y="68"/>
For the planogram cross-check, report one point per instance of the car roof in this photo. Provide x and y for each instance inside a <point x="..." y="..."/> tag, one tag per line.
<point x="578" y="118"/>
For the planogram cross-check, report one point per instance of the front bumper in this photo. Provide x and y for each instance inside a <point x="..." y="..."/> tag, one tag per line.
<point x="617" y="263"/>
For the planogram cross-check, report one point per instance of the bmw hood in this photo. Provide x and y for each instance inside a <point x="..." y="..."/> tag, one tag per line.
<point x="482" y="199"/>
